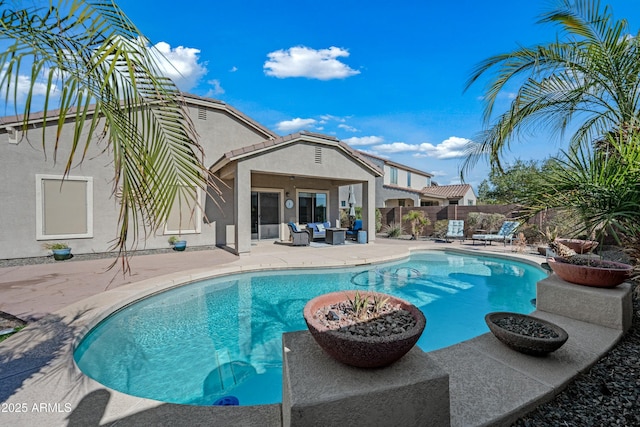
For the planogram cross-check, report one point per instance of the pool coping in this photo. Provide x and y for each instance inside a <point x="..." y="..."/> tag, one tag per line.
<point x="53" y="390"/>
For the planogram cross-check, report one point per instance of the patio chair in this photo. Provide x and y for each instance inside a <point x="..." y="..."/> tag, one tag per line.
<point x="300" y="237"/>
<point x="505" y="234"/>
<point x="357" y="226"/>
<point x="455" y="230"/>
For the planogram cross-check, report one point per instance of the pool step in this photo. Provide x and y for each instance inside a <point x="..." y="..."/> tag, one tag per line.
<point x="225" y="369"/>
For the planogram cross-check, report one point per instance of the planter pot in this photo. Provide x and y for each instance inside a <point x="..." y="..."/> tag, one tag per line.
<point x="362" y="351"/>
<point x="180" y="245"/>
<point x="601" y="274"/>
<point x="580" y="246"/>
<point x="61" y="254"/>
<point x="521" y="340"/>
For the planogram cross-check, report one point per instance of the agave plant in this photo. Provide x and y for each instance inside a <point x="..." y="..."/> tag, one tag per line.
<point x="98" y="70"/>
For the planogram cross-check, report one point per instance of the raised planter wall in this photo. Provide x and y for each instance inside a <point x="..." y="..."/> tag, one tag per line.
<point x="612" y="308"/>
<point x="319" y="391"/>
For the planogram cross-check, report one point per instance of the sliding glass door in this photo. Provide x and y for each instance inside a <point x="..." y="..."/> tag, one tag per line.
<point x="265" y="215"/>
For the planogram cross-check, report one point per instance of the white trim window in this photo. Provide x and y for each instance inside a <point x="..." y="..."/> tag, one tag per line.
<point x="393" y="178"/>
<point x="64" y="207"/>
<point x="185" y="216"/>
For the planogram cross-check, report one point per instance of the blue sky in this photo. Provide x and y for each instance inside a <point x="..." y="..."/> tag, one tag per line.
<point x="385" y="77"/>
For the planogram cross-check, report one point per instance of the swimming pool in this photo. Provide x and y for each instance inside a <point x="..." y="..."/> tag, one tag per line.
<point x="220" y="337"/>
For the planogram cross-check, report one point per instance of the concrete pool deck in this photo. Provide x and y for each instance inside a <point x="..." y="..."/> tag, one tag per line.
<point x="40" y="384"/>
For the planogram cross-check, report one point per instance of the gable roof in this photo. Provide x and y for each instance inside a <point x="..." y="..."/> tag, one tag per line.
<point x="273" y="143"/>
<point x="456" y="191"/>
<point x="189" y="99"/>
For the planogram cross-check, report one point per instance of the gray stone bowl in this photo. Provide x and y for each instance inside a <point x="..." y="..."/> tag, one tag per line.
<point x="527" y="344"/>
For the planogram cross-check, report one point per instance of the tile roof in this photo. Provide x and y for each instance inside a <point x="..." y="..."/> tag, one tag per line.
<point x="291" y="138"/>
<point x="36" y="117"/>
<point x="456" y="191"/>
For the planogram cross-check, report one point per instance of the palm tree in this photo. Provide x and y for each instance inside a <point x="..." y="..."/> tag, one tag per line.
<point x="418" y="221"/>
<point x="600" y="188"/>
<point x="589" y="79"/>
<point x="109" y="83"/>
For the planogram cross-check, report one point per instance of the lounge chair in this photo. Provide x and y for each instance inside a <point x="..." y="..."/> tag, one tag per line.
<point x="455" y="230"/>
<point x="300" y="237"/>
<point x="505" y="234"/>
<point x="353" y="233"/>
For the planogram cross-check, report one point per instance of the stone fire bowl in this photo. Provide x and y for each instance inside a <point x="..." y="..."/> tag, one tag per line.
<point x="599" y="277"/>
<point x="579" y="245"/>
<point x="362" y="352"/>
<point x="526" y="344"/>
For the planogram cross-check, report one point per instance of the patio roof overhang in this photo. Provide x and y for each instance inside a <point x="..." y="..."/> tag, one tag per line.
<point x="225" y="169"/>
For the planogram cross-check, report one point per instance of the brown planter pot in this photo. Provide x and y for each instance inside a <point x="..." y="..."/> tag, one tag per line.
<point x="526" y="344"/>
<point x="591" y="275"/>
<point x="360" y="351"/>
<point x="580" y="246"/>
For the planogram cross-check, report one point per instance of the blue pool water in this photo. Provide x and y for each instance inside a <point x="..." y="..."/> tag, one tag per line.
<point x="221" y="337"/>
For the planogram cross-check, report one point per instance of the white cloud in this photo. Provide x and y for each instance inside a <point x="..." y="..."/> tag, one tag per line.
<point x="347" y="128"/>
<point x="181" y="65"/>
<point x="438" y="173"/>
<point x="216" y="88"/>
<point x="301" y="61"/>
<point x="397" y="147"/>
<point x="289" y="126"/>
<point x="233" y="69"/>
<point x="452" y="148"/>
<point x="39" y="89"/>
<point x="364" y="140"/>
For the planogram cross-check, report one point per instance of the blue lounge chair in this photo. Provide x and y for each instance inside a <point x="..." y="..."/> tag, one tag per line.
<point x="357" y="226"/>
<point x="455" y="230"/>
<point x="505" y="234"/>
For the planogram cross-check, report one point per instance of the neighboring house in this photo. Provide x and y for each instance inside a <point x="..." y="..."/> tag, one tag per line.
<point x="405" y="186"/>
<point x="266" y="181"/>
<point x="458" y="194"/>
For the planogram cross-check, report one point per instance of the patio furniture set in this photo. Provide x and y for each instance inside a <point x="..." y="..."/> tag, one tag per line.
<point x="323" y="231"/>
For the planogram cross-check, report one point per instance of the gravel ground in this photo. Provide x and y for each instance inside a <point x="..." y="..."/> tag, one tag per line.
<point x="607" y="395"/>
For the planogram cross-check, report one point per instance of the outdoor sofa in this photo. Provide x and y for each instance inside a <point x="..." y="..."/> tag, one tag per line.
<point x="317" y="229"/>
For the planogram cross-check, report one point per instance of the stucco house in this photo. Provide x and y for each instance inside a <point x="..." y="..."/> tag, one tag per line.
<point x="402" y="185"/>
<point x="266" y="180"/>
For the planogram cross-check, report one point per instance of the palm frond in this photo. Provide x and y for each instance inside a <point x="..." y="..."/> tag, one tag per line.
<point x="107" y="79"/>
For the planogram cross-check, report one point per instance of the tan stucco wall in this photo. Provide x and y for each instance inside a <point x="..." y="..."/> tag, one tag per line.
<point x="219" y="133"/>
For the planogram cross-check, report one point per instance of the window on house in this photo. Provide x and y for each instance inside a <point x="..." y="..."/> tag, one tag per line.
<point x="408" y="179"/>
<point x="312" y="207"/>
<point x="64" y="207"/>
<point x="393" y="176"/>
<point x="343" y="204"/>
<point x="401" y="202"/>
<point x="185" y="214"/>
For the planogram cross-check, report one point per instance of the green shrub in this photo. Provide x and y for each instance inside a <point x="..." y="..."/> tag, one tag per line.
<point x="393" y="230"/>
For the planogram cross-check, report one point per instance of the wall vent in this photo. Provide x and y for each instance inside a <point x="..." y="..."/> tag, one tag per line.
<point x="318" y="156"/>
<point x="202" y="113"/>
